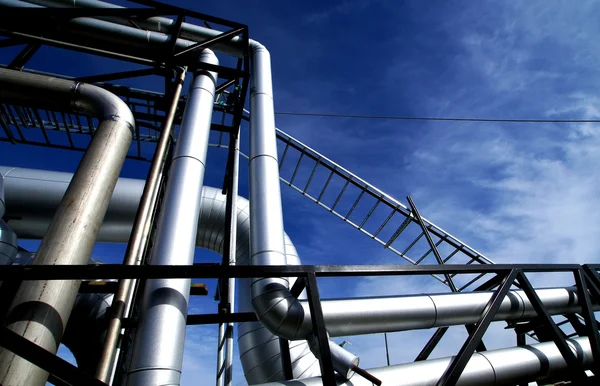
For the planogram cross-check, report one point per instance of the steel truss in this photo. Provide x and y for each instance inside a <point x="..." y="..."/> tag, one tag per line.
<point x="32" y="27"/>
<point x="586" y="278"/>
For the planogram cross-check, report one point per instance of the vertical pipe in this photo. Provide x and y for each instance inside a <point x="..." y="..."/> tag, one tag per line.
<point x="40" y="309"/>
<point x="158" y="348"/>
<point x="267" y="245"/>
<point x="220" y="354"/>
<point x="136" y="244"/>
<point x="232" y="249"/>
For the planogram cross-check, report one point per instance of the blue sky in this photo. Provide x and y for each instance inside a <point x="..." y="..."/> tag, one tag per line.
<point x="516" y="192"/>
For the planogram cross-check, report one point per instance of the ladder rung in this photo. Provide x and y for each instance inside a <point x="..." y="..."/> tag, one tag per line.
<point x="389" y="217"/>
<point x="362" y="193"/>
<point x="297" y="167"/>
<point x="429" y="251"/>
<point x="337" y="200"/>
<point x="287" y="146"/>
<point x="312" y="174"/>
<point x="362" y="224"/>
<point x="452" y="254"/>
<point x="413" y="243"/>
<point x="325" y="187"/>
<point x="401" y="229"/>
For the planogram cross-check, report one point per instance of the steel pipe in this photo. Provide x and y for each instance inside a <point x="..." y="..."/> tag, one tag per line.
<point x="225" y="337"/>
<point x="158" y="348"/>
<point x="138" y="237"/>
<point x="342" y="316"/>
<point x="255" y="341"/>
<point x="508" y="366"/>
<point x="267" y="245"/>
<point x="2" y="204"/>
<point x="40" y="308"/>
<point x="8" y="244"/>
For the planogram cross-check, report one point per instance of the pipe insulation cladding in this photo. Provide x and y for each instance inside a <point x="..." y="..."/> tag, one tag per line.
<point x="158" y="348"/>
<point x="267" y="243"/>
<point x="342" y="316"/>
<point x="510" y="366"/>
<point x="41" y="308"/>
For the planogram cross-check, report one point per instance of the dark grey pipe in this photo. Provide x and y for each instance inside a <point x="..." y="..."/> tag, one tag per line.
<point x="40" y="309"/>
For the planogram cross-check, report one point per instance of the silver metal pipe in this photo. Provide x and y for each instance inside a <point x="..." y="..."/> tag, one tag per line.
<point x="225" y="337"/>
<point x="275" y="307"/>
<point x="8" y="244"/>
<point x="40" y="308"/>
<point x="2" y="204"/>
<point x="121" y="38"/>
<point x="232" y="247"/>
<point x="267" y="244"/>
<point x="85" y="331"/>
<point x="158" y="348"/>
<point x="164" y="25"/>
<point x="255" y="341"/>
<point x="137" y="239"/>
<point x="508" y="366"/>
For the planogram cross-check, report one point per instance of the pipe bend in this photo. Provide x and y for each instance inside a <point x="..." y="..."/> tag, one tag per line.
<point x="106" y="106"/>
<point x="54" y="93"/>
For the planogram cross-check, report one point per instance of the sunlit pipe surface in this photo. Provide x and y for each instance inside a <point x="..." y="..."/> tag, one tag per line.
<point x="40" y="309"/>
<point x="267" y="244"/>
<point x="277" y="309"/>
<point x="508" y="366"/>
<point x="341" y="316"/>
<point x="34" y="194"/>
<point x="85" y="331"/>
<point x="158" y="349"/>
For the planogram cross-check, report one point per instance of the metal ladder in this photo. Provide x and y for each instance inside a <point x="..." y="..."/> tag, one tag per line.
<point x="369" y="210"/>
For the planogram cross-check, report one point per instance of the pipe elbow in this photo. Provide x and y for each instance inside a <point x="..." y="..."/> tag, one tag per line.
<point x="54" y="93"/>
<point x="206" y="56"/>
<point x="94" y="100"/>
<point x="279" y="311"/>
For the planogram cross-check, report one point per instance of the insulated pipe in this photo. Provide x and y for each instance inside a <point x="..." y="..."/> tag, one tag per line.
<point x="259" y="349"/>
<point x="40" y="309"/>
<point x="267" y="241"/>
<point x="275" y="306"/>
<point x="158" y="348"/>
<point x="8" y="244"/>
<point x="85" y="331"/>
<point x="510" y="366"/>
<point x="119" y="38"/>
<point x="226" y="333"/>
<point x="2" y="204"/>
<point x="137" y="240"/>
<point x="33" y="195"/>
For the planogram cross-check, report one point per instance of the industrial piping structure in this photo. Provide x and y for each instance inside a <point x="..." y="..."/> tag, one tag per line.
<point x="282" y="334"/>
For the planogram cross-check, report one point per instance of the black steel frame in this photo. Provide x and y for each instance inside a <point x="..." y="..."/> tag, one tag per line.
<point x="235" y="80"/>
<point x="586" y="278"/>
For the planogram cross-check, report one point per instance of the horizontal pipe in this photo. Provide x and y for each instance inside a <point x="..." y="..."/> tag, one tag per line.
<point x="191" y="32"/>
<point x="34" y="194"/>
<point x="509" y="366"/>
